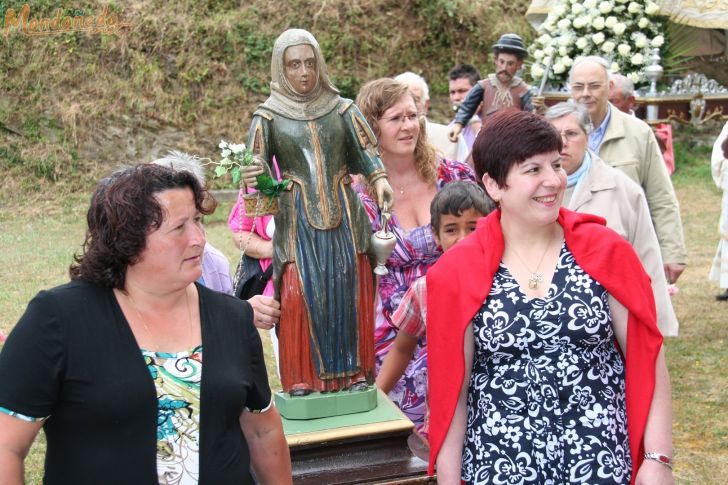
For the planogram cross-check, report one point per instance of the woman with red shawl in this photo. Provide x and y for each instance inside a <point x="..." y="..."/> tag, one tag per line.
<point x="561" y="376"/>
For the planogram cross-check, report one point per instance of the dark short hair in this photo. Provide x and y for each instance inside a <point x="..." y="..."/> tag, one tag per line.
<point x="457" y="197"/>
<point x="123" y="211"/>
<point x="724" y="147"/>
<point x="509" y="137"/>
<point x="467" y="71"/>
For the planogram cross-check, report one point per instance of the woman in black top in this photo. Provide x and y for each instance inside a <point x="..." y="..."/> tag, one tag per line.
<point x="110" y="364"/>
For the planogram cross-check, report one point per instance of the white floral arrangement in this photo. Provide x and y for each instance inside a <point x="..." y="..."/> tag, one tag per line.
<point x="237" y="155"/>
<point x="624" y="31"/>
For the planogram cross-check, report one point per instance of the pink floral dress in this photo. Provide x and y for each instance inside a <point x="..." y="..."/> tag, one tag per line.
<point x="415" y="252"/>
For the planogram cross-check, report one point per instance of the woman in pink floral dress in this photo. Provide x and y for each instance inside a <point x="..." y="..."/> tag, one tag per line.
<point x="416" y="174"/>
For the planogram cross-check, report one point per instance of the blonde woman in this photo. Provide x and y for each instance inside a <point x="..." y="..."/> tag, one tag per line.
<point x="416" y="174"/>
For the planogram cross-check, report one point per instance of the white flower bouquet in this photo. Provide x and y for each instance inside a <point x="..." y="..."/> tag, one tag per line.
<point x="623" y="31"/>
<point x="234" y="157"/>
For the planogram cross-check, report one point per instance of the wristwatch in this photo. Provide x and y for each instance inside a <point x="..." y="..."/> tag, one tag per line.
<point x="660" y="458"/>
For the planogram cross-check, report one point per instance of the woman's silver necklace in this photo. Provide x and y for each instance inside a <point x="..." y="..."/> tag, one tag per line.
<point x="536" y="277"/>
<point x="146" y="327"/>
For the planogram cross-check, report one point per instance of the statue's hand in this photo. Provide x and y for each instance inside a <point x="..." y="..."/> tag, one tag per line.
<point x="385" y="196"/>
<point x="539" y="104"/>
<point x="248" y="173"/>
<point x="455" y="132"/>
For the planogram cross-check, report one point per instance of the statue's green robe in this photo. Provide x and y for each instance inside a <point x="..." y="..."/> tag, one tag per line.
<point x="321" y="225"/>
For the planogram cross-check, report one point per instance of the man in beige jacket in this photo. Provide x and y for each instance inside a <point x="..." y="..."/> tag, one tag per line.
<point x="628" y="144"/>
<point x="596" y="188"/>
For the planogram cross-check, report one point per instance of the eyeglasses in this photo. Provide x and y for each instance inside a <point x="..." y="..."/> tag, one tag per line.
<point x="578" y="88"/>
<point x="395" y="120"/>
<point x="570" y="135"/>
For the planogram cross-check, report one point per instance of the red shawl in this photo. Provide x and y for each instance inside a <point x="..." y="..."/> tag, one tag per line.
<point x="459" y="283"/>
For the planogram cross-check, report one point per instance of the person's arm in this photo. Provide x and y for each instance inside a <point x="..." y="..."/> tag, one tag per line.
<point x="658" y="430"/>
<point x="266" y="311"/>
<point x="32" y="362"/>
<point x="527" y="101"/>
<point x="269" y="453"/>
<point x="396" y="361"/>
<point x="15" y="440"/>
<point x="450" y="458"/>
<point x="718" y="158"/>
<point x="642" y="236"/>
<point x="257" y="247"/>
<point x="466" y="111"/>
<point x="409" y="317"/>
<point x="469" y="105"/>
<point x="664" y="209"/>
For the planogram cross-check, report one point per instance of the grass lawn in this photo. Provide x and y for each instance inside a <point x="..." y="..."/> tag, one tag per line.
<point x="38" y="249"/>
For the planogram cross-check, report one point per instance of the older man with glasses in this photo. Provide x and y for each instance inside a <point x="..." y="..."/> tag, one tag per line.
<point x="628" y="144"/>
<point x="594" y="187"/>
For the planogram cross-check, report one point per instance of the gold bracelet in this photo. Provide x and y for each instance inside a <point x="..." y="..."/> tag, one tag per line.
<point x="376" y="175"/>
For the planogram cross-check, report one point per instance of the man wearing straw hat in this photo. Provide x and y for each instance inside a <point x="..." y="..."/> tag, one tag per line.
<point x="500" y="90"/>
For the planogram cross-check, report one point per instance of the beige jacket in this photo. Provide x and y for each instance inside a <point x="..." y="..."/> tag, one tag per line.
<point x="630" y="145"/>
<point x="437" y="135"/>
<point x="611" y="194"/>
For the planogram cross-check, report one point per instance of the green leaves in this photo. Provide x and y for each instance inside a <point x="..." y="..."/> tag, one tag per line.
<point x="269" y="187"/>
<point x="220" y="171"/>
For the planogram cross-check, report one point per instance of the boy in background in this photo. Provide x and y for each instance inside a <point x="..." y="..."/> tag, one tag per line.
<point x="454" y="213"/>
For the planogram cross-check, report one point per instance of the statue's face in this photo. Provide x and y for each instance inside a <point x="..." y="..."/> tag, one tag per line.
<point x="301" y="69"/>
<point x="506" y="66"/>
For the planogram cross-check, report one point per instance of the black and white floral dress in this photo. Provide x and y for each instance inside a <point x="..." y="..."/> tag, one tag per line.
<point x="546" y="401"/>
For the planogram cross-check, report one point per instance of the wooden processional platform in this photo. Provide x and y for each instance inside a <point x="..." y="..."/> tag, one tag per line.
<point x="368" y="447"/>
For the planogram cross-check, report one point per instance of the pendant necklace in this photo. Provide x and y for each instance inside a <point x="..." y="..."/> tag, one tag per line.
<point x="536" y="277"/>
<point x="401" y="188"/>
<point x="146" y="327"/>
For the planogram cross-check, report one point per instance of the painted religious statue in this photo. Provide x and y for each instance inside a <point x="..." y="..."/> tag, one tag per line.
<point x="322" y="267"/>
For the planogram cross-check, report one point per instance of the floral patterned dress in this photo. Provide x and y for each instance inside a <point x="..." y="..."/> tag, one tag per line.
<point x="546" y="402"/>
<point x="416" y="250"/>
<point x="177" y="378"/>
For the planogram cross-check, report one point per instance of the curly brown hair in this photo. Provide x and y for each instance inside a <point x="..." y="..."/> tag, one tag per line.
<point x="124" y="210"/>
<point x="376" y="97"/>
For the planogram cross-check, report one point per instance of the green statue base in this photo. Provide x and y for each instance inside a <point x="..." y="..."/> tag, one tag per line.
<point x="317" y="405"/>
